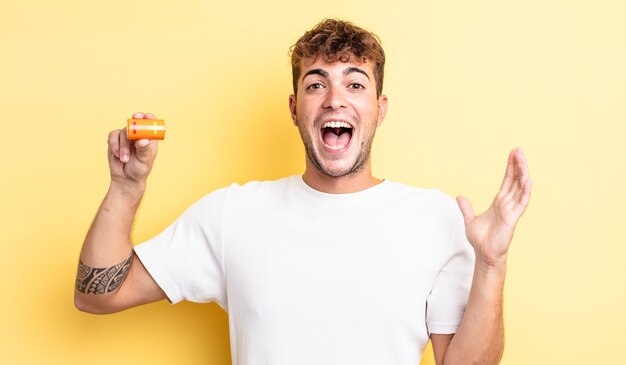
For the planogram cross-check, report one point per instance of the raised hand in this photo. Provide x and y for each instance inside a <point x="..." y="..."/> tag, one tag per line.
<point x="130" y="162"/>
<point x="491" y="232"/>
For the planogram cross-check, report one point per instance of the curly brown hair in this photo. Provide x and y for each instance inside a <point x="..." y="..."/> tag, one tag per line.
<point x="338" y="40"/>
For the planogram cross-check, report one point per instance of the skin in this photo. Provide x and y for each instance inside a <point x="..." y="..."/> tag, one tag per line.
<point x="108" y="240"/>
<point x="337" y="91"/>
<point x="331" y="94"/>
<point x="490" y="234"/>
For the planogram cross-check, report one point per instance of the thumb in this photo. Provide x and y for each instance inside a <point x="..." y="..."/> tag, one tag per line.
<point x="466" y="209"/>
<point x="145" y="150"/>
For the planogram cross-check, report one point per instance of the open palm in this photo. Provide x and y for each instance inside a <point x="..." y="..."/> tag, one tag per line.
<point x="490" y="233"/>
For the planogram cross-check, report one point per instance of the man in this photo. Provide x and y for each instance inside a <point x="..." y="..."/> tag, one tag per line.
<point x="331" y="267"/>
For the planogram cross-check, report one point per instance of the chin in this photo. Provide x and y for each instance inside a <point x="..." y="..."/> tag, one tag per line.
<point x="340" y="168"/>
<point x="335" y="163"/>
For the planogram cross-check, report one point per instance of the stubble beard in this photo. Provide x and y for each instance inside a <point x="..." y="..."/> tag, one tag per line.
<point x="316" y="161"/>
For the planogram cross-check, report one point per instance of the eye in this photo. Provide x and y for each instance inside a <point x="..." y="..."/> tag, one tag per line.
<point x="356" y="86"/>
<point x="315" y="86"/>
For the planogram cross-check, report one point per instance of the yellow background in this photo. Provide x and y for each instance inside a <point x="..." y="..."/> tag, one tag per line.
<point x="467" y="81"/>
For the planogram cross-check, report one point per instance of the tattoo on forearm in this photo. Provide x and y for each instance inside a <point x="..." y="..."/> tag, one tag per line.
<point x="101" y="280"/>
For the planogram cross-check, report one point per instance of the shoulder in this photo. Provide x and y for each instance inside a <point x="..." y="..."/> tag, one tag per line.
<point x="426" y="198"/>
<point x="212" y="206"/>
<point x="256" y="186"/>
<point x="258" y="189"/>
<point x="247" y="189"/>
<point x="430" y="205"/>
<point x="439" y="217"/>
<point x="248" y="193"/>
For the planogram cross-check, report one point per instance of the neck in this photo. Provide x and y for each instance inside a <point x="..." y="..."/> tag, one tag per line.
<point x="350" y="183"/>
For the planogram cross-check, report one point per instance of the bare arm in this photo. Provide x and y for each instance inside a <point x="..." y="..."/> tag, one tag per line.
<point x="110" y="278"/>
<point x="480" y="337"/>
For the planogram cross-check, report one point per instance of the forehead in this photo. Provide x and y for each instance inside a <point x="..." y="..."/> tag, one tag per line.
<point x="334" y="68"/>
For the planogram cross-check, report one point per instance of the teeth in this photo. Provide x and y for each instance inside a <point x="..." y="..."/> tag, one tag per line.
<point x="336" y="124"/>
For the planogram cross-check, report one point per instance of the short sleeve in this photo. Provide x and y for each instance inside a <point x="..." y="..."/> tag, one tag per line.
<point x="448" y="297"/>
<point x="186" y="259"/>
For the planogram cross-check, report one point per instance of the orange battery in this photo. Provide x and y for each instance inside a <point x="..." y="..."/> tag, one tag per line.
<point x="145" y="129"/>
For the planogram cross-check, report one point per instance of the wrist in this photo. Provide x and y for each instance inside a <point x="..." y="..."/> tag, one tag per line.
<point x="490" y="266"/>
<point x="131" y="193"/>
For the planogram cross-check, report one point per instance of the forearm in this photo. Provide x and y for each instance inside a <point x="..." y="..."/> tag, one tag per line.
<point x="480" y="336"/>
<point x="106" y="254"/>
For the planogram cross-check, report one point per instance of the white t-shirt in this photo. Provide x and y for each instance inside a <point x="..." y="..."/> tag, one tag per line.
<point x="313" y="278"/>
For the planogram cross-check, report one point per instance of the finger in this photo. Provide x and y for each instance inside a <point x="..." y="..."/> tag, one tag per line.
<point x="522" y="165"/>
<point x="138" y="115"/>
<point x="466" y="209"/>
<point x="146" y="150"/>
<point x="514" y="198"/>
<point x="114" y="143"/>
<point x="124" y="146"/>
<point x="149" y="116"/>
<point x="522" y="175"/>
<point x="517" y="190"/>
<point x="525" y="198"/>
<point x="509" y="175"/>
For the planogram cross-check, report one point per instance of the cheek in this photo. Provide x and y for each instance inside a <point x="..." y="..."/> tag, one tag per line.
<point x="302" y="111"/>
<point x="305" y="113"/>
<point x="365" y="104"/>
<point x="367" y="113"/>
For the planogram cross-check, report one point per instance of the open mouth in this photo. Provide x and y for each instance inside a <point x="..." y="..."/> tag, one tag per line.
<point x="336" y="135"/>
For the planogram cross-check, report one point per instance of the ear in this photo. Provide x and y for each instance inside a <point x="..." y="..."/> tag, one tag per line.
<point x="292" y="109"/>
<point x="382" y="109"/>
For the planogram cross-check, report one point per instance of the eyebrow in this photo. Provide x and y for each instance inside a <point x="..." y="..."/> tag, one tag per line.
<point x="350" y="70"/>
<point x="315" y="71"/>
<point x="346" y="72"/>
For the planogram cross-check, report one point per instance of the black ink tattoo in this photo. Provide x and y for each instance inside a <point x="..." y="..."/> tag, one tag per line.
<point x="101" y="280"/>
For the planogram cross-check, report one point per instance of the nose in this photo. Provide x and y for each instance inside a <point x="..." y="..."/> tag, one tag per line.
<point x="334" y="98"/>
